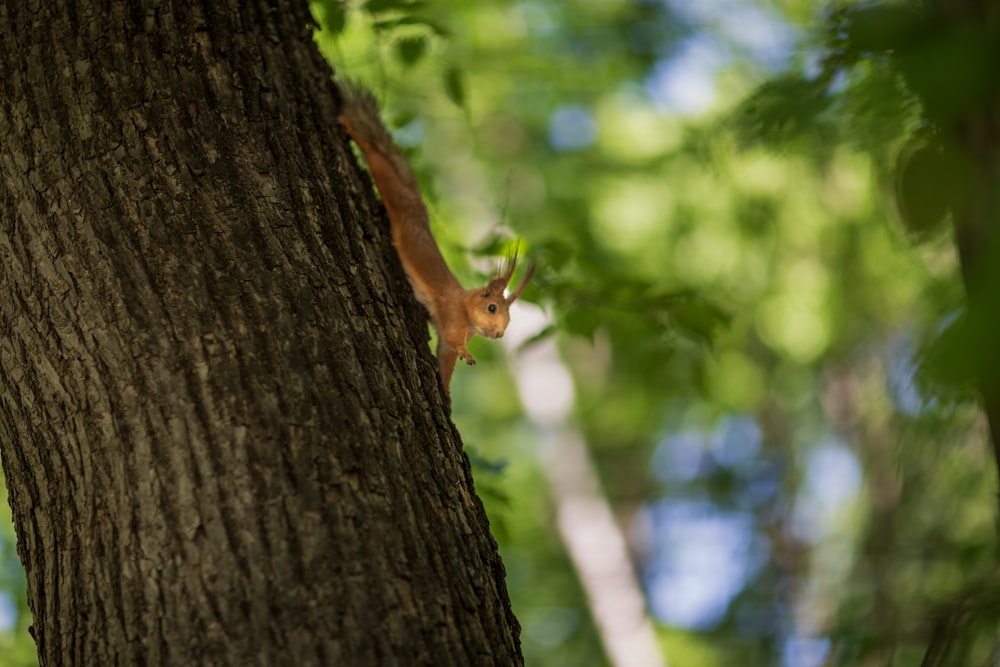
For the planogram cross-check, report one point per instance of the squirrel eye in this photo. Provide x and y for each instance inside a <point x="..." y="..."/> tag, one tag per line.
<point x="492" y="308"/>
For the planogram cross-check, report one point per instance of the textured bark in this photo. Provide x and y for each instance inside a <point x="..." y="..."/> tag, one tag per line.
<point x="222" y="431"/>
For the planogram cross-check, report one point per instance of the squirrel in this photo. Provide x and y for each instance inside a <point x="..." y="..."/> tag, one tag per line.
<point x="457" y="313"/>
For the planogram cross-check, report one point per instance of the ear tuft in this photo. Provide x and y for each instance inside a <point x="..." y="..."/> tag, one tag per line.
<point x="524" y="283"/>
<point x="506" y="269"/>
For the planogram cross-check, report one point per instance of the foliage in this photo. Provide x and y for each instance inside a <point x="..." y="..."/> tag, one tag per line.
<point x="773" y="264"/>
<point x="16" y="647"/>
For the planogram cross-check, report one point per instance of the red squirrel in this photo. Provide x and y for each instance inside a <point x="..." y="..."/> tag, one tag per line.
<point x="458" y="314"/>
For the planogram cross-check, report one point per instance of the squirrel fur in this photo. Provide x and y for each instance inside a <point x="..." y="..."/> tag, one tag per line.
<point x="457" y="313"/>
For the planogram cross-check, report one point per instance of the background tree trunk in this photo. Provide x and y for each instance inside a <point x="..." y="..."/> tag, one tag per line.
<point x="972" y="29"/>
<point x="221" y="428"/>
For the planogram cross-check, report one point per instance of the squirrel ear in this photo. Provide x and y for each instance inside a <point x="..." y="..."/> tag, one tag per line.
<point x="524" y="283"/>
<point x="495" y="286"/>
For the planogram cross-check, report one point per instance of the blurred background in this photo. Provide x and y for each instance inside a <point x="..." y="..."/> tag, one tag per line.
<point x="723" y="427"/>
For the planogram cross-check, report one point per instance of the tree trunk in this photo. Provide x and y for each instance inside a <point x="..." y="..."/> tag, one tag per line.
<point x="971" y="28"/>
<point x="222" y="431"/>
<point x="969" y="31"/>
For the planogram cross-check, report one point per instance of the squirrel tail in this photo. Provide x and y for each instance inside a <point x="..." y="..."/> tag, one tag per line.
<point x="360" y="115"/>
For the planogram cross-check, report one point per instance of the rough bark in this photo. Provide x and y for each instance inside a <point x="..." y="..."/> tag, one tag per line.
<point x="222" y="432"/>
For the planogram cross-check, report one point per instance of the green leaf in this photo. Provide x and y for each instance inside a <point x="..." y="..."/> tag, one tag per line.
<point x="782" y="109"/>
<point x="930" y="181"/>
<point x="410" y="50"/>
<point x="698" y="317"/>
<point x="952" y="362"/>
<point x="553" y="253"/>
<point x="454" y="86"/>
<point x="332" y="16"/>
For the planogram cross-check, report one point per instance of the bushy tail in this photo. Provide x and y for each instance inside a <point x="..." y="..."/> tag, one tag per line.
<point x="360" y="116"/>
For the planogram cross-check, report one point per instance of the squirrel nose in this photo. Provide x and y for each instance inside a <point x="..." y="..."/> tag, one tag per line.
<point x="499" y="334"/>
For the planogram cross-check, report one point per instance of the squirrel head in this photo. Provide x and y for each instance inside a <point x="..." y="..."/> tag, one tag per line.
<point x="487" y="308"/>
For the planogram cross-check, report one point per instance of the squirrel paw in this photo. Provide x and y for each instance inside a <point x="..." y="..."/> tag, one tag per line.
<point x="467" y="357"/>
